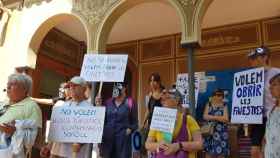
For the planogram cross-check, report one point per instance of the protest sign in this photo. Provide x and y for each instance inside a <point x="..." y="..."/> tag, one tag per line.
<point x="164" y="120"/>
<point x="247" y="97"/>
<point x="77" y="124"/>
<point x="182" y="84"/>
<point x="104" y="67"/>
<point x="6" y="152"/>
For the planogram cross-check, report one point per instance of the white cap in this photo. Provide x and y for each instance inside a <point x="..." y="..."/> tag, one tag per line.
<point x="78" y="81"/>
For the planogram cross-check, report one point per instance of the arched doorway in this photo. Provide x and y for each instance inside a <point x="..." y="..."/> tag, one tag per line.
<point x="133" y="26"/>
<point x="59" y="45"/>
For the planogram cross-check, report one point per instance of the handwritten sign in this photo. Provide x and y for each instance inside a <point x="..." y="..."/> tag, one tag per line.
<point x="6" y="152"/>
<point x="182" y="84"/>
<point x="164" y="120"/>
<point x="104" y="67"/>
<point x="247" y="97"/>
<point x="77" y="124"/>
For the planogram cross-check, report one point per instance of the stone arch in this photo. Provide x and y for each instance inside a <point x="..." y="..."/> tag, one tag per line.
<point x="44" y="28"/>
<point x="190" y="17"/>
<point x="114" y="14"/>
<point x="198" y="16"/>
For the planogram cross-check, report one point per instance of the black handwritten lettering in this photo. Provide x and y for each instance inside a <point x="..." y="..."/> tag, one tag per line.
<point x="248" y="110"/>
<point x="247" y="79"/>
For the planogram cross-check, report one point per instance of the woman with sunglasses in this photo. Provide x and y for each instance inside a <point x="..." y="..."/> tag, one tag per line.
<point x="186" y="138"/>
<point x="217" y="145"/>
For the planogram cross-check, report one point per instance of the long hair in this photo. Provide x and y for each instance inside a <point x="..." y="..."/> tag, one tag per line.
<point x="157" y="78"/>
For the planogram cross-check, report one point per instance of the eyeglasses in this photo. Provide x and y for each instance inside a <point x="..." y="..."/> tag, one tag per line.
<point x="168" y="95"/>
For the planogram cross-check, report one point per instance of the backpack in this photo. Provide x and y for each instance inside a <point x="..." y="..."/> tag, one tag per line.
<point x="129" y="102"/>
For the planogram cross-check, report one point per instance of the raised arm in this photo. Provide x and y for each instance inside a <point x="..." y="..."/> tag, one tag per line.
<point x="43" y="101"/>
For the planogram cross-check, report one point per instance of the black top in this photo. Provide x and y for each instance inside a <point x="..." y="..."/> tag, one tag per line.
<point x="151" y="105"/>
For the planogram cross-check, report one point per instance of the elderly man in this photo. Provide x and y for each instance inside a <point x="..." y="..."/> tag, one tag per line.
<point x="20" y="118"/>
<point x="65" y="150"/>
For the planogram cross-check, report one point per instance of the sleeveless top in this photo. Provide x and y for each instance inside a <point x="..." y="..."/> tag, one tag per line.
<point x="151" y="105"/>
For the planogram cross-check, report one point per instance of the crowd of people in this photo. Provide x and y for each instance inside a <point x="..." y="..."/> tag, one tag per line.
<point x="21" y="120"/>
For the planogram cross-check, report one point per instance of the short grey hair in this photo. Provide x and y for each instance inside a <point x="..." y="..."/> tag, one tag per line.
<point x="23" y="79"/>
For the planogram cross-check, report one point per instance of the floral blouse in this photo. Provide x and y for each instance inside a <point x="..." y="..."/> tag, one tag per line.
<point x="272" y="146"/>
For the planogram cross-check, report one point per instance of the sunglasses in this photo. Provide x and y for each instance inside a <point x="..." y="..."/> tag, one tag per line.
<point x="168" y="95"/>
<point x="73" y="85"/>
<point x="219" y="94"/>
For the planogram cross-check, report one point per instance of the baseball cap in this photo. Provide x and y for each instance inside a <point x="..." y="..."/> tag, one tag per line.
<point x="77" y="80"/>
<point x="260" y="51"/>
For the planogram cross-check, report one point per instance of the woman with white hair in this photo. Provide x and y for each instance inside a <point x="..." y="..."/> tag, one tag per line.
<point x="20" y="118"/>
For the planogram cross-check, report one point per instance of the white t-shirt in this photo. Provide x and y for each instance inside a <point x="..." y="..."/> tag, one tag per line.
<point x="269" y="101"/>
<point x="65" y="149"/>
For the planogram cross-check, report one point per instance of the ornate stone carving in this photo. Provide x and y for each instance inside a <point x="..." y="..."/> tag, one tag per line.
<point x="4" y="19"/>
<point x="29" y="3"/>
<point x="93" y="10"/>
<point x="220" y="40"/>
<point x="187" y="2"/>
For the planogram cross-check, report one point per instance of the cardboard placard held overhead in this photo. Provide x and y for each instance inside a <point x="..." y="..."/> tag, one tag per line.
<point x="248" y="97"/>
<point x="77" y="124"/>
<point x="104" y="67"/>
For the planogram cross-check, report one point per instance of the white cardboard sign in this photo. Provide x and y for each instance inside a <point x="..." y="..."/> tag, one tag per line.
<point x="77" y="124"/>
<point x="164" y="119"/>
<point x="104" y="67"/>
<point x="248" y="97"/>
